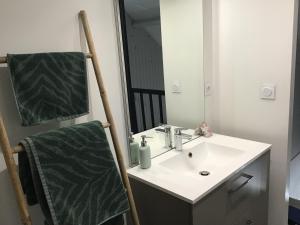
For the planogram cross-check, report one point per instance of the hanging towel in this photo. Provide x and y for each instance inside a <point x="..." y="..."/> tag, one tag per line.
<point x="49" y="86"/>
<point x="74" y="175"/>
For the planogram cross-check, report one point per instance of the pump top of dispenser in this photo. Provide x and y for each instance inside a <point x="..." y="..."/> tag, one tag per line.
<point x="144" y="142"/>
<point x="131" y="138"/>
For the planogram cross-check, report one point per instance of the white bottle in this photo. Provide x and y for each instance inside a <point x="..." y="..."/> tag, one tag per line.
<point x="134" y="150"/>
<point x="145" y="154"/>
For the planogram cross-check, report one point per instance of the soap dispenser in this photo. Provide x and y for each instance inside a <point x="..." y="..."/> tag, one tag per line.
<point x="145" y="155"/>
<point x="134" y="150"/>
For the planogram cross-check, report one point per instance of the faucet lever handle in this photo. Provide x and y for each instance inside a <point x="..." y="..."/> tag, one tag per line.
<point x="167" y="128"/>
<point x="178" y="130"/>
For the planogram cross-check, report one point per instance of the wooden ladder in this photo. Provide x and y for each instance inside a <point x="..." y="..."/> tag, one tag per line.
<point x="9" y="151"/>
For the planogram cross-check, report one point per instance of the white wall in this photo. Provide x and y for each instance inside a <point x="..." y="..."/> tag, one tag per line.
<point x="182" y="42"/>
<point x="253" y="45"/>
<point x="40" y="26"/>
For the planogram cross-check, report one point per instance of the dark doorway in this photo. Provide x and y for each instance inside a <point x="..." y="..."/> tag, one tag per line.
<point x="141" y="33"/>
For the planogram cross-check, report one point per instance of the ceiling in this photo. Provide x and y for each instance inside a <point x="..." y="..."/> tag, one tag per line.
<point x="145" y="14"/>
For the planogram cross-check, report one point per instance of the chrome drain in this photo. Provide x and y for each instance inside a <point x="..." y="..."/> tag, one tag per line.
<point x="204" y="173"/>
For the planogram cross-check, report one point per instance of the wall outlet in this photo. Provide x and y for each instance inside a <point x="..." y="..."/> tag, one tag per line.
<point x="268" y="91"/>
<point x="208" y="89"/>
<point x="176" y="87"/>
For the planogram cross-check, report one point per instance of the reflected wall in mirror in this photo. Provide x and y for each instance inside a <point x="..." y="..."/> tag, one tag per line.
<point x="163" y="60"/>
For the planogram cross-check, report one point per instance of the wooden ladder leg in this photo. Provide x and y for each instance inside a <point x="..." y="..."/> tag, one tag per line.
<point x="13" y="174"/>
<point x="109" y="116"/>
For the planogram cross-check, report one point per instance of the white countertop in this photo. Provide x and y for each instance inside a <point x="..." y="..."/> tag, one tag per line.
<point x="191" y="188"/>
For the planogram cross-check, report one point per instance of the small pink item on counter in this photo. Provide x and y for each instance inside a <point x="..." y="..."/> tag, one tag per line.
<point x="203" y="130"/>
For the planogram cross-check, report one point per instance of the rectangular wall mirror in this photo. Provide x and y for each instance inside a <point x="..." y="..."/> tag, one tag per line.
<point x="162" y="47"/>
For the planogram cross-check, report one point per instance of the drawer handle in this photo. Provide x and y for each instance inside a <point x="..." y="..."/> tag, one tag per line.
<point x="248" y="178"/>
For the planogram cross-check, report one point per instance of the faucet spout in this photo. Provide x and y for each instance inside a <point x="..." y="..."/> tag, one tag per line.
<point x="167" y="130"/>
<point x="178" y="136"/>
<point x="168" y="136"/>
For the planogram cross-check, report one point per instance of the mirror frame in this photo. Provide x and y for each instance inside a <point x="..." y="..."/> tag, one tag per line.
<point x="124" y="68"/>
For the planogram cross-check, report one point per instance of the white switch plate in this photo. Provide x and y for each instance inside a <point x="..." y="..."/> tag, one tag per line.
<point x="268" y="91"/>
<point x="176" y="86"/>
<point x="208" y="89"/>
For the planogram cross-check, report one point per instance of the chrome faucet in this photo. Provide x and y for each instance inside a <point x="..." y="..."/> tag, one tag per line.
<point x="168" y="136"/>
<point x="167" y="130"/>
<point x="178" y="136"/>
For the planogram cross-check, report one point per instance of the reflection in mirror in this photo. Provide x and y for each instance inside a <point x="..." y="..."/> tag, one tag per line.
<point x="163" y="57"/>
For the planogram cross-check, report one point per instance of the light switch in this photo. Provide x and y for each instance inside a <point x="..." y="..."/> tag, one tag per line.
<point x="268" y="91"/>
<point x="176" y="86"/>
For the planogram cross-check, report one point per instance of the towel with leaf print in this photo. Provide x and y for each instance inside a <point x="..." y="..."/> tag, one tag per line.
<point x="75" y="176"/>
<point x="49" y="86"/>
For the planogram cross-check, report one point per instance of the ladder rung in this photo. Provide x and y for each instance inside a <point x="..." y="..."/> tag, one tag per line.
<point x="3" y="59"/>
<point x="19" y="148"/>
<point x="88" y="55"/>
<point x="106" y="125"/>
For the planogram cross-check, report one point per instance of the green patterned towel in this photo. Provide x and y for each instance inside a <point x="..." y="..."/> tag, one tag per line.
<point x="75" y="176"/>
<point x="49" y="86"/>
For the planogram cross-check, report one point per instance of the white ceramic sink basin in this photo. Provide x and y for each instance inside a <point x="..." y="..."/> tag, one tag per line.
<point x="202" y="157"/>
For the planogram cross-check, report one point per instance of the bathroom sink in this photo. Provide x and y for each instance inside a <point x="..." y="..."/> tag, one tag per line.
<point x="179" y="172"/>
<point x="204" y="157"/>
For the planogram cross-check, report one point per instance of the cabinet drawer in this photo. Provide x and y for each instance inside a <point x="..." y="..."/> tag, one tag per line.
<point x="247" y="194"/>
<point x="242" y="200"/>
<point x="240" y="189"/>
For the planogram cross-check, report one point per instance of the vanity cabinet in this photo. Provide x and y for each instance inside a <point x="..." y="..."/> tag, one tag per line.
<point x="240" y="200"/>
